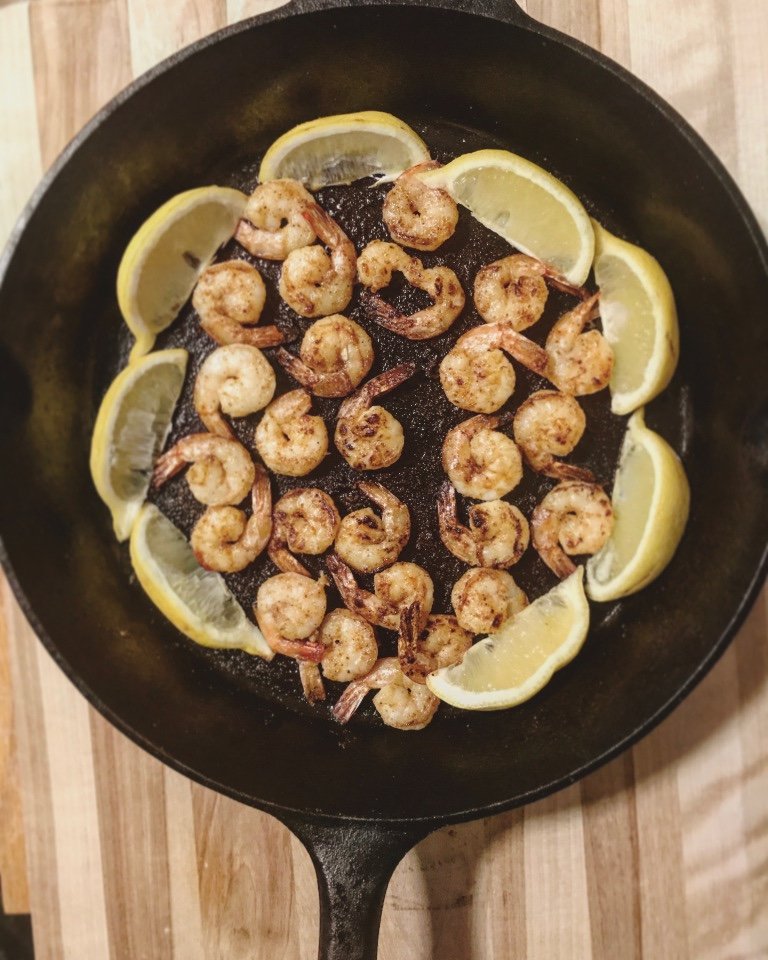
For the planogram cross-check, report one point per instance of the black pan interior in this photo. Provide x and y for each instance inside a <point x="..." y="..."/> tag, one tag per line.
<point x="238" y="727"/>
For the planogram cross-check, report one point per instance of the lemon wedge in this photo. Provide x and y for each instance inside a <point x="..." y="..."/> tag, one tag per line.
<point x="131" y="427"/>
<point x="651" y="499"/>
<point x="341" y="149"/>
<point x="167" y="254"/>
<point x="196" y="601"/>
<point x="639" y="318"/>
<point x="524" y="204"/>
<point x="511" y="666"/>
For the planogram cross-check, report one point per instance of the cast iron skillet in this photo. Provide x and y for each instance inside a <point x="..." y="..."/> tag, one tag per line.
<point x="360" y="804"/>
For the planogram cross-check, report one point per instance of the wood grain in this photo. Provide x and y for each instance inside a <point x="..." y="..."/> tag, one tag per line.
<point x="662" y="855"/>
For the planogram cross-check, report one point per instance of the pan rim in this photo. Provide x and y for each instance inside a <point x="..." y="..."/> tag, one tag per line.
<point x="741" y="206"/>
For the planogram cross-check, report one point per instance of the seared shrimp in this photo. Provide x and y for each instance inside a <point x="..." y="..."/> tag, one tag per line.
<point x="375" y="268"/>
<point x="237" y="380"/>
<point x="393" y="589"/>
<point x="305" y="520"/>
<point x="335" y="357"/>
<point x="289" y="609"/>
<point x="312" y="282"/>
<point x="481" y="462"/>
<point x="421" y="651"/>
<point x="513" y="289"/>
<point x="221" y="471"/>
<point x="288" y="438"/>
<point x="229" y="298"/>
<point x="368" y="542"/>
<point x="350" y="646"/>
<point x="485" y="599"/>
<point x="273" y="224"/>
<point x="497" y="535"/>
<point x="417" y="215"/>
<point x="370" y="438"/>
<point x="573" y="519"/>
<point x="400" y="702"/>
<point x="579" y="362"/>
<point x="225" y="541"/>
<point x="548" y="425"/>
<point x="476" y="375"/>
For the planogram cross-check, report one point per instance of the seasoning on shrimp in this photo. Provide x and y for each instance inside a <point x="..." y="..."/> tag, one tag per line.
<point x="273" y="224"/>
<point x="497" y="535"/>
<point x="236" y="379"/>
<point x="221" y="470"/>
<point x="423" y="649"/>
<point x="334" y="358"/>
<point x="224" y="540"/>
<point x="313" y="282"/>
<point x="579" y="362"/>
<point x="393" y="589"/>
<point x="376" y="266"/>
<point x="289" y="609"/>
<point x="547" y="425"/>
<point x="475" y="374"/>
<point x="418" y="215"/>
<point x="513" y="290"/>
<point x="481" y="462"/>
<point x="368" y="542"/>
<point x="485" y="599"/>
<point x="369" y="437"/>
<point x="289" y="439"/>
<point x="305" y="520"/>
<point x="400" y="702"/>
<point x="573" y="519"/>
<point x="229" y="298"/>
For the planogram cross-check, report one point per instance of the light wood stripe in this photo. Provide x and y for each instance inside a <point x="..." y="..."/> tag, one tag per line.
<point x="158" y="29"/>
<point x="184" y="891"/>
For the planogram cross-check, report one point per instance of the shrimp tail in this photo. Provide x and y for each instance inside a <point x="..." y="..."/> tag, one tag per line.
<point x="335" y="384"/>
<point x="525" y="351"/>
<point x="567" y="471"/>
<point x="385" y="314"/>
<point x="411" y="625"/>
<point x="311" y="681"/>
<point x="284" y="560"/>
<point x="321" y="222"/>
<point x="342" y="577"/>
<point x="167" y="466"/>
<point x="362" y="398"/>
<point x="349" y="702"/>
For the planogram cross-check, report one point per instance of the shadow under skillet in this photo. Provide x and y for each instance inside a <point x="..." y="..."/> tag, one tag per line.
<point x="419" y="404"/>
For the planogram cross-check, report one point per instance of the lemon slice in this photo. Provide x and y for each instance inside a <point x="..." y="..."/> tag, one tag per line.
<point x="512" y="665"/>
<point x="335" y="150"/>
<point x="196" y="601"/>
<point x="524" y="204"/>
<point x="637" y="308"/>
<point x="651" y="498"/>
<point x="131" y="427"/>
<point x="167" y="254"/>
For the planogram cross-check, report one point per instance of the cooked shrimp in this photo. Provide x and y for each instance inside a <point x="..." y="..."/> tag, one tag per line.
<point x="289" y="609"/>
<point x="421" y="651"/>
<point x="513" y="289"/>
<point x="289" y="439"/>
<point x="400" y="702"/>
<point x="225" y="541"/>
<point x="370" y="438"/>
<point x="579" y="362"/>
<point x="305" y="520"/>
<point x="375" y="268"/>
<point x="229" y="298"/>
<point x="417" y="215"/>
<point x="485" y="599"/>
<point x="393" y="589"/>
<point x="550" y="424"/>
<point x="335" y="357"/>
<point x="273" y="224"/>
<point x="350" y="646"/>
<point x="573" y="519"/>
<point x="312" y="282"/>
<point x="221" y="471"/>
<point x="497" y="535"/>
<point x="481" y="462"/>
<point x="476" y="375"/>
<point x="368" y="542"/>
<point x="237" y="380"/>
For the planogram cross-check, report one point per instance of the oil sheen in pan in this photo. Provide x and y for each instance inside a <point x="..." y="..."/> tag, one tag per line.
<point x="420" y="405"/>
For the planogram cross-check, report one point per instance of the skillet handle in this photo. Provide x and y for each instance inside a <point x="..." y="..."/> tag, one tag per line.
<point x="505" y="11"/>
<point x="354" y="861"/>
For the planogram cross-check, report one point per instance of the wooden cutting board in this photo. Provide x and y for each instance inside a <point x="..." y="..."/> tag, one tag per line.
<point x="662" y="855"/>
